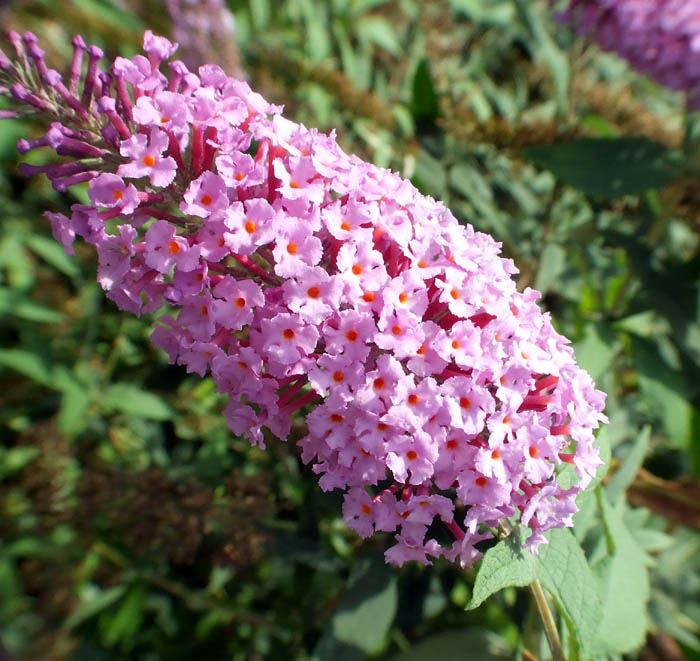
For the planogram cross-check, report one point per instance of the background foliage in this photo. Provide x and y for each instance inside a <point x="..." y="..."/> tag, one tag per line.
<point x="134" y="526"/>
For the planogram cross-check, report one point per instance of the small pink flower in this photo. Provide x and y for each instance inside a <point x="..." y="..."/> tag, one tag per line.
<point x="109" y="190"/>
<point x="114" y="257"/>
<point x="295" y="247"/>
<point x="239" y="170"/>
<point x="147" y="158"/>
<point x="205" y="195"/>
<point x="412" y="458"/>
<point x="165" y="110"/>
<point x="165" y="249"/>
<point x="197" y="315"/>
<point x="349" y="333"/>
<point x="313" y="294"/>
<point x="286" y="338"/>
<point x="236" y="302"/>
<point x="477" y="489"/>
<point x="251" y="226"/>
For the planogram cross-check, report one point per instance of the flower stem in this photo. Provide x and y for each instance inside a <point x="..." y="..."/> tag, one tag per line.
<point x="550" y="626"/>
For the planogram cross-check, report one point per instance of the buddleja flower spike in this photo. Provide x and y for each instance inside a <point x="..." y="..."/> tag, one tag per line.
<point x="304" y="279"/>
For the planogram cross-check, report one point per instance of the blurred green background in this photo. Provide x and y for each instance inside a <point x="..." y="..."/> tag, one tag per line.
<point x="134" y="526"/>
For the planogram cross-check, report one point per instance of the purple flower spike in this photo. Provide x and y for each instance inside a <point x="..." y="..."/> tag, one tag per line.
<point x="660" y="38"/>
<point x="305" y="280"/>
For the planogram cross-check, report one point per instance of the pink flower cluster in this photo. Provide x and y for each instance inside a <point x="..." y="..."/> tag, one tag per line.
<point x="438" y="398"/>
<point x="660" y="38"/>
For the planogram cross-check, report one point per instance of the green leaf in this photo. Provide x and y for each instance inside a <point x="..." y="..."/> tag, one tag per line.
<point x="608" y="167"/>
<point x="15" y="459"/>
<point x="360" y="624"/>
<point x="623" y="582"/>
<point x="424" y="103"/>
<point x="471" y="644"/>
<point x="547" y="49"/>
<point x="429" y="175"/>
<point x="596" y="351"/>
<point x="317" y="43"/>
<point x="132" y="400"/>
<point x="74" y="405"/>
<point x="378" y="31"/>
<point x="563" y="570"/>
<point x="478" y="11"/>
<point x="54" y="254"/>
<point x="553" y="262"/>
<point x="16" y="304"/>
<point x="260" y="13"/>
<point x="505" y="565"/>
<point x="29" y="364"/>
<point x="95" y="604"/>
<point x="632" y="463"/>
<point x="127" y="620"/>
<point x="665" y="391"/>
<point x="12" y="131"/>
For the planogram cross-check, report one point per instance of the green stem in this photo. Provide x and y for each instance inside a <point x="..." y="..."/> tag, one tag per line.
<point x="550" y="626"/>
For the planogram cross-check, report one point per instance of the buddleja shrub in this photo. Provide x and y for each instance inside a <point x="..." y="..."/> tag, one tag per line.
<point x="438" y="398"/>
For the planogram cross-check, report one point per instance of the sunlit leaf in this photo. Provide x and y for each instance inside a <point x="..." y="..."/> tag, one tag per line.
<point x="133" y="400"/>
<point x="366" y="609"/>
<point x="608" y="167"/>
<point x="623" y="583"/>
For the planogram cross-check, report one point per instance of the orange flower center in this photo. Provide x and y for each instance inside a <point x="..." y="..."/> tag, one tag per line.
<point x="250" y="227"/>
<point x="357" y="269"/>
<point x="240" y="302"/>
<point x="173" y="247"/>
<point x="313" y="292"/>
<point x="413" y="399"/>
<point x="206" y="200"/>
<point x="148" y="161"/>
<point x="288" y="334"/>
<point x="352" y="335"/>
<point x="292" y="248"/>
